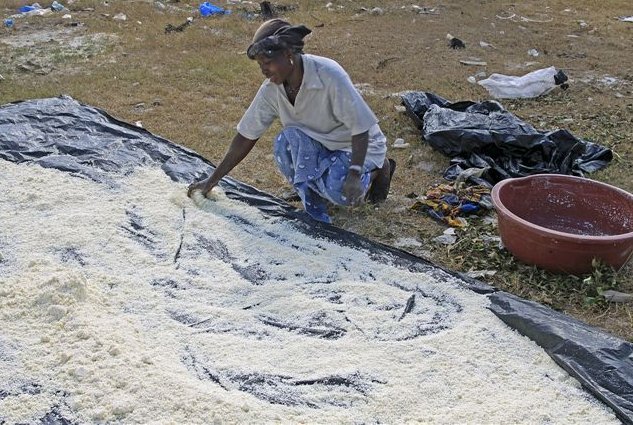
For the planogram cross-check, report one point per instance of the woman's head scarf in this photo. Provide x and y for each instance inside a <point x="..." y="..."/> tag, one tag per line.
<point x="275" y="36"/>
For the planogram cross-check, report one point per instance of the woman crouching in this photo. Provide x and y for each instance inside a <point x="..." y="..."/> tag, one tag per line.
<point x="331" y="147"/>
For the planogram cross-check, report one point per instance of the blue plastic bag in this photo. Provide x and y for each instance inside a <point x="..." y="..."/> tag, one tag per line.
<point x="27" y="8"/>
<point x="208" y="9"/>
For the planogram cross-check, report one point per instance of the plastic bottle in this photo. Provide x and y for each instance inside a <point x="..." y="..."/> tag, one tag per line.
<point x="57" y="7"/>
<point x="534" y="84"/>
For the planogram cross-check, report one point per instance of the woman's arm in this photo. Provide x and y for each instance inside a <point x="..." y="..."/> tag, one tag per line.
<point x="239" y="148"/>
<point x="352" y="188"/>
<point x="360" y="142"/>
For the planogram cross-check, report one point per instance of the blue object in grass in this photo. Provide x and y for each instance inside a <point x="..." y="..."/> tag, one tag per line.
<point x="450" y="199"/>
<point x="469" y="208"/>
<point x="208" y="9"/>
<point x="29" y="8"/>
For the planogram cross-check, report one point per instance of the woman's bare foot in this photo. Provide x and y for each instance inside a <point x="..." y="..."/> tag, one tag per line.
<point x="381" y="182"/>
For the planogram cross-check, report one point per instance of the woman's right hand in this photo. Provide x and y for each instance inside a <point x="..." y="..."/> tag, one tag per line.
<point x="203" y="186"/>
<point x="240" y="147"/>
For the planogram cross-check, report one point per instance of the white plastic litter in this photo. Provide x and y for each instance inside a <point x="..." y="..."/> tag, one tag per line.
<point x="478" y="274"/>
<point x="473" y="62"/>
<point x="534" y="84"/>
<point x="37" y="12"/>
<point x="424" y="10"/>
<point x="445" y="239"/>
<point x="407" y="243"/>
<point x="617" y="297"/>
<point x="400" y="144"/>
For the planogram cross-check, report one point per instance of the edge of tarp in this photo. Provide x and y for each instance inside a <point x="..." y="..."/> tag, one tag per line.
<point x="602" y="363"/>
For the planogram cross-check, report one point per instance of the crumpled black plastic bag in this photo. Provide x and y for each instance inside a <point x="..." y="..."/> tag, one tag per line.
<point x="485" y="135"/>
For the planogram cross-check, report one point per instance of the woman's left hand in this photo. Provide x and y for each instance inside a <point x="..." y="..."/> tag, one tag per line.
<point x="353" y="189"/>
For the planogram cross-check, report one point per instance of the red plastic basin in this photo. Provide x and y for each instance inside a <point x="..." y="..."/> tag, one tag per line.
<point x="561" y="223"/>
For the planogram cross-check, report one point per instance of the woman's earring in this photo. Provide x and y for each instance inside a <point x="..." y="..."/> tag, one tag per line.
<point x="292" y="63"/>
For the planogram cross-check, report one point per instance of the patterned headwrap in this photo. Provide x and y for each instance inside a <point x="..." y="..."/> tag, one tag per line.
<point x="275" y="36"/>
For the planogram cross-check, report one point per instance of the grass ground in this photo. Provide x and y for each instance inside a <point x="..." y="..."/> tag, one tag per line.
<point x="193" y="86"/>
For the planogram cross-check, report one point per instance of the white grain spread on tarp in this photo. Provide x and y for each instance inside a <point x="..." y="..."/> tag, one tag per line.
<point x="126" y="302"/>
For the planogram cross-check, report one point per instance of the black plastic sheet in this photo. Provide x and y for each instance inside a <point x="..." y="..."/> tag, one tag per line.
<point x="63" y="134"/>
<point x="485" y="135"/>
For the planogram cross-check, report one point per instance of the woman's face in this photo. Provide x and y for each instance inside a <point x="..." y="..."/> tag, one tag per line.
<point x="277" y="68"/>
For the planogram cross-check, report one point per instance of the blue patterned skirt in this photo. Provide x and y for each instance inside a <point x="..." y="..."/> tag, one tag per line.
<point x="316" y="173"/>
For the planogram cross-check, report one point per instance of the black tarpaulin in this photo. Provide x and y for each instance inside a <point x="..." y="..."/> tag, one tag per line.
<point x="63" y="134"/>
<point x="485" y="135"/>
<point x="574" y="345"/>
